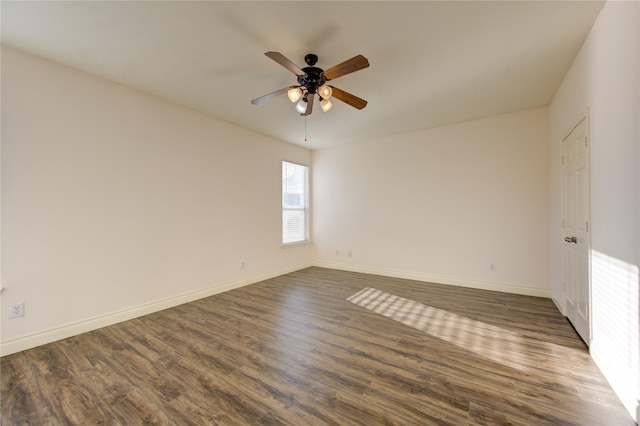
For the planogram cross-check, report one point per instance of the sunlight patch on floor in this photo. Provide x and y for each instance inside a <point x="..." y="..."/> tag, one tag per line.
<point x="495" y="343"/>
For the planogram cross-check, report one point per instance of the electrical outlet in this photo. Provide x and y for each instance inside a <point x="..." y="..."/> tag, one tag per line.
<point x="337" y="252"/>
<point x="242" y="265"/>
<point x="492" y="267"/>
<point x="349" y="253"/>
<point x="17" y="310"/>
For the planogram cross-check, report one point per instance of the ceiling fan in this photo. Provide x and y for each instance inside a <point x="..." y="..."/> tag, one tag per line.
<point x="312" y="80"/>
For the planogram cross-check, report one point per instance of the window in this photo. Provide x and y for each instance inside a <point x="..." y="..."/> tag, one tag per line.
<point x="295" y="203"/>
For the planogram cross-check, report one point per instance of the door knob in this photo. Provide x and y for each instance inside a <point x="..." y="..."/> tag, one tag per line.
<point x="571" y="240"/>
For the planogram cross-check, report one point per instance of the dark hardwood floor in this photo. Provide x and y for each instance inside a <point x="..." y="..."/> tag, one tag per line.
<point x="319" y="347"/>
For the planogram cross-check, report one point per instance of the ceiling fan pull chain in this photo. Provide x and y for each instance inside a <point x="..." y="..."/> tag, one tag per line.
<point x="305" y="128"/>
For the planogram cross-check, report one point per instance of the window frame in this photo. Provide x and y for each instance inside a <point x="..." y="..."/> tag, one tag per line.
<point x="305" y="204"/>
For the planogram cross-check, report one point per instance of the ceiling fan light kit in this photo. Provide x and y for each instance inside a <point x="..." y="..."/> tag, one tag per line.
<point x="301" y="106"/>
<point x="312" y="80"/>
<point x="294" y="94"/>
<point x="325" y="92"/>
<point x="325" y="105"/>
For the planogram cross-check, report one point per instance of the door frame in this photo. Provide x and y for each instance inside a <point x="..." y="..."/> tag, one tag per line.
<point x="583" y="118"/>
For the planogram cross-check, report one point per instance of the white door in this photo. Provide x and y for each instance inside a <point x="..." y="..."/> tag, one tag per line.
<point x="575" y="194"/>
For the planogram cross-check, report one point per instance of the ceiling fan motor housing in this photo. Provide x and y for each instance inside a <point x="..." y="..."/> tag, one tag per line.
<point x="312" y="79"/>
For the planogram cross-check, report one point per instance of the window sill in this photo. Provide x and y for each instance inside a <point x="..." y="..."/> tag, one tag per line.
<point x="296" y="244"/>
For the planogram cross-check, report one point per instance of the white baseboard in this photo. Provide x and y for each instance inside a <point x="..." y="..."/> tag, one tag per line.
<point x="559" y="305"/>
<point x="460" y="282"/>
<point x="58" y="333"/>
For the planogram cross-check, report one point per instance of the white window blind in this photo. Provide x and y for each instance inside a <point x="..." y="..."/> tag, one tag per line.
<point x="295" y="203"/>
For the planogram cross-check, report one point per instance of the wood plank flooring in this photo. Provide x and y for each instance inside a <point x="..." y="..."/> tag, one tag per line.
<point x="319" y="347"/>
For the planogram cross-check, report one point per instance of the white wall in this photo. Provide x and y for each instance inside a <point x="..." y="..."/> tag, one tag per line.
<point x="604" y="79"/>
<point x="116" y="203"/>
<point x="441" y="204"/>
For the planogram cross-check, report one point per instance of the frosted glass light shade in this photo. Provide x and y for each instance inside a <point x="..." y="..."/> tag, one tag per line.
<point x="301" y="106"/>
<point x="325" y="92"/>
<point x="326" y="105"/>
<point x="294" y="94"/>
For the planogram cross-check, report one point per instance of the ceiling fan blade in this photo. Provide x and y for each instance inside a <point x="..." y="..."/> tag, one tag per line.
<point x="347" y="67"/>
<point x="309" y="105"/>
<point x="282" y="60"/>
<point x="271" y="95"/>
<point x="348" y="98"/>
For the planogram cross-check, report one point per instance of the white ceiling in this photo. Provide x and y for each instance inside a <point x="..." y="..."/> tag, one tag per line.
<point x="432" y="63"/>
